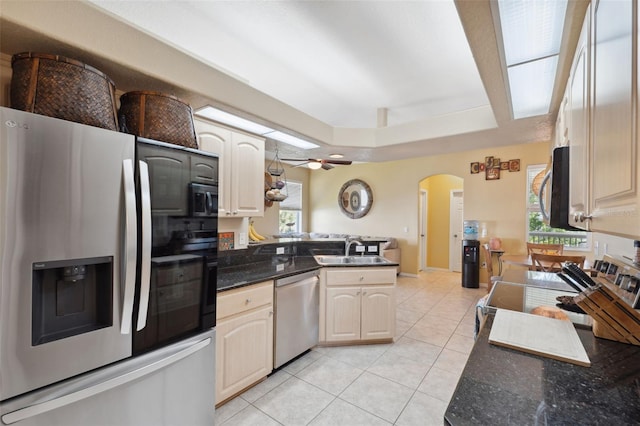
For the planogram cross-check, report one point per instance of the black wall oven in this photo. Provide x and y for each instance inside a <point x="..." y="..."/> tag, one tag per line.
<point x="184" y="222"/>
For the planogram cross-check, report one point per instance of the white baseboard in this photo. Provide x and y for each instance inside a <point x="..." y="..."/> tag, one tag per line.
<point x="429" y="268"/>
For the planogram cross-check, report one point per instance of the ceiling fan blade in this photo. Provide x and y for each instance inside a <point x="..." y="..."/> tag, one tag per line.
<point x="340" y="162"/>
<point x="325" y="162"/>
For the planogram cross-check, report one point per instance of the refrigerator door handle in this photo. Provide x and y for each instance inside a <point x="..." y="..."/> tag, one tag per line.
<point x="87" y="392"/>
<point x="145" y="267"/>
<point x="130" y="245"/>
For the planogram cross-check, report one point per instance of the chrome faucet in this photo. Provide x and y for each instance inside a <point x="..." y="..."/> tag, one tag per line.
<point x="348" y="243"/>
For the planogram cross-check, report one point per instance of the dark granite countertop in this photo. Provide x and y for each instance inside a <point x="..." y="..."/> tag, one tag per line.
<point x="501" y="386"/>
<point x="277" y="259"/>
<point x="251" y="273"/>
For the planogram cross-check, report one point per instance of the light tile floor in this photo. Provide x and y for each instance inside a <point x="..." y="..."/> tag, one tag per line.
<point x="408" y="382"/>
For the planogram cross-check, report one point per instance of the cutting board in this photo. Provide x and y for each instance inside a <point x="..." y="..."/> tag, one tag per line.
<point x="538" y="335"/>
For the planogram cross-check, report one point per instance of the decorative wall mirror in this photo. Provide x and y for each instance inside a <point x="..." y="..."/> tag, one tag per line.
<point x="355" y="198"/>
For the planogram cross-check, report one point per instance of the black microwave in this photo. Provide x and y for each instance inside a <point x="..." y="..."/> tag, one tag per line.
<point x="203" y="200"/>
<point x="558" y="214"/>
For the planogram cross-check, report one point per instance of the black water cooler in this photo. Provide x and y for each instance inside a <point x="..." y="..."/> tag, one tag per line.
<point x="470" y="263"/>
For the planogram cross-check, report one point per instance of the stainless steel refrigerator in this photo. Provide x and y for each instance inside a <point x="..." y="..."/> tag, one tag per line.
<point x="79" y="286"/>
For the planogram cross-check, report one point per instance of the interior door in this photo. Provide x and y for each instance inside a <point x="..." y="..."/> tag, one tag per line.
<point x="455" y="231"/>
<point x="423" y="229"/>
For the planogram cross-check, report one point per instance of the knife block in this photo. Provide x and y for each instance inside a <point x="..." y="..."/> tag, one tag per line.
<point x="613" y="318"/>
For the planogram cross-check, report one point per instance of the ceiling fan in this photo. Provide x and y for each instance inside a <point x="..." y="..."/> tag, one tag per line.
<point x="326" y="164"/>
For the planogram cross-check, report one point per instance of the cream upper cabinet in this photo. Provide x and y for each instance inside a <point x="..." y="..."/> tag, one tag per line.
<point x="603" y="125"/>
<point x="357" y="304"/>
<point x="244" y="338"/>
<point x="615" y="201"/>
<point x="241" y="169"/>
<point x="577" y="122"/>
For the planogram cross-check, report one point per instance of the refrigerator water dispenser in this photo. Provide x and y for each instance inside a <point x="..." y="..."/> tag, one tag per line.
<point x="71" y="297"/>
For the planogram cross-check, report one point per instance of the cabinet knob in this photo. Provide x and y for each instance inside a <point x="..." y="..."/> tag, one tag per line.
<point x="358" y="293"/>
<point x="235" y="212"/>
<point x="361" y="278"/>
<point x="580" y="217"/>
<point x="270" y="313"/>
<point x="364" y="293"/>
<point x="247" y="301"/>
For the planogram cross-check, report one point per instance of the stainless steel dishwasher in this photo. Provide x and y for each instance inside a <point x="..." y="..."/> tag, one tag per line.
<point x="297" y="315"/>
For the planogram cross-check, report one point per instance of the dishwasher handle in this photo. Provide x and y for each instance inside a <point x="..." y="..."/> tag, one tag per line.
<point x="295" y="278"/>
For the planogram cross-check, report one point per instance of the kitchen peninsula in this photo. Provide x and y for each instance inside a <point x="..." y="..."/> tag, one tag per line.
<point x="270" y="306"/>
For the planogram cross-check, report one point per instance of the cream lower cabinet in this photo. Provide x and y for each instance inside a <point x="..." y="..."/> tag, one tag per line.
<point x="244" y="338"/>
<point x="357" y="304"/>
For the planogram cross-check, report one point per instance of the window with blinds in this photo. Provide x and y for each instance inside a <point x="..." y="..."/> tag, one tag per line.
<point x="291" y="209"/>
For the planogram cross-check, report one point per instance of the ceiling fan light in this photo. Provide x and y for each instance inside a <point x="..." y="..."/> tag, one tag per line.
<point x="336" y="156"/>
<point x="314" y="165"/>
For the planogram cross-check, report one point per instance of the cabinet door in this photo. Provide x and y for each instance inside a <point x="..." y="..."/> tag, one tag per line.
<point x="244" y="351"/>
<point x="247" y="176"/>
<point x="168" y="179"/>
<point x="204" y="169"/>
<point x="217" y="140"/>
<point x="578" y="128"/>
<point x="240" y="169"/>
<point x="378" y="313"/>
<point x="343" y="314"/>
<point x="614" y="181"/>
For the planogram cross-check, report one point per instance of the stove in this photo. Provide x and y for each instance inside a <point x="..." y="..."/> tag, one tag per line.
<point x="621" y="272"/>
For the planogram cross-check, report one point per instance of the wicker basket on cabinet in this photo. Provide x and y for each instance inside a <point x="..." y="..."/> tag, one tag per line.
<point x="63" y="88"/>
<point x="158" y="116"/>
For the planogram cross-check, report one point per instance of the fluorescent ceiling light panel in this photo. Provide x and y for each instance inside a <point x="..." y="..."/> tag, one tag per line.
<point x="531" y="33"/>
<point x="220" y="116"/>
<point x="531" y="29"/>
<point x="224" y="117"/>
<point x="531" y="87"/>
<point x="291" y="140"/>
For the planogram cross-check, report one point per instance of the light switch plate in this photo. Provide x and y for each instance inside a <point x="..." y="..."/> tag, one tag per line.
<point x="359" y="249"/>
<point x="372" y="249"/>
<point x="280" y="250"/>
<point x="242" y="239"/>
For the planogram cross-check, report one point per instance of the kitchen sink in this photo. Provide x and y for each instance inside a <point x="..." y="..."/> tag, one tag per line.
<point x="351" y="260"/>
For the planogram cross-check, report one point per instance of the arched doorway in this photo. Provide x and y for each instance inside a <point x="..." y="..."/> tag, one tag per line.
<point x="435" y="202"/>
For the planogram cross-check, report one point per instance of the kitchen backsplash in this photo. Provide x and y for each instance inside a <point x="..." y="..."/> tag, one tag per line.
<point x="609" y="244"/>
